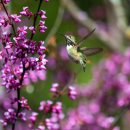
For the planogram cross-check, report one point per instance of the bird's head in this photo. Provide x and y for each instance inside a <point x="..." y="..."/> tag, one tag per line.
<point x="70" y="40"/>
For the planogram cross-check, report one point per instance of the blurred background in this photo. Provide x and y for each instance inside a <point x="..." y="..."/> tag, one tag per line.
<point x="103" y="89"/>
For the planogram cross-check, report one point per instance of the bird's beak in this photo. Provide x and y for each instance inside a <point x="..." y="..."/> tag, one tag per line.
<point x="62" y="36"/>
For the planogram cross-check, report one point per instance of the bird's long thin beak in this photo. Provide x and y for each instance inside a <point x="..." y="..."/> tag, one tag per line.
<point x="62" y="35"/>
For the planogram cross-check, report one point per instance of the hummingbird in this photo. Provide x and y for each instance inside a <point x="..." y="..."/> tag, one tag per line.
<point x="78" y="54"/>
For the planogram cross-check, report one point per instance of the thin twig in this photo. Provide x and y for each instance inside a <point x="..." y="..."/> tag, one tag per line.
<point x="120" y="115"/>
<point x="24" y="70"/>
<point x="18" y="97"/>
<point x="35" y="18"/>
<point x="8" y="17"/>
<point x="63" y="91"/>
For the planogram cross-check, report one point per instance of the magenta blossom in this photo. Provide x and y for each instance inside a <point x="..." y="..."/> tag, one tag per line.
<point x="26" y="12"/>
<point x="15" y="18"/>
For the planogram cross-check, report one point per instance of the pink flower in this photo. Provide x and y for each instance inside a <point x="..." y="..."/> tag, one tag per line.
<point x="24" y="103"/>
<point x="57" y="107"/>
<point x="33" y="117"/>
<point x="42" y="62"/>
<point x="22" y="31"/>
<point x="9" y="117"/>
<point x="45" y="106"/>
<point x="42" y="14"/>
<point x="15" y="18"/>
<point x="3" y="22"/>
<point x="22" y="116"/>
<point x="54" y="87"/>
<point x="72" y="93"/>
<point x="6" y="1"/>
<point x="32" y="29"/>
<point x="26" y="12"/>
<point x="41" y="127"/>
<point x="9" y="45"/>
<point x="42" y="26"/>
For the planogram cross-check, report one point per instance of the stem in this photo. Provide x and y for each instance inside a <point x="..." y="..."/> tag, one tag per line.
<point x="63" y="91"/>
<point x="8" y="17"/>
<point x="24" y="69"/>
<point x="18" y="97"/>
<point x="35" y="18"/>
<point x="120" y="115"/>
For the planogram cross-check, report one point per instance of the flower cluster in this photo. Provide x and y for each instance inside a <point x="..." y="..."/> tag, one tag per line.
<point x="106" y="98"/>
<point x="72" y="93"/>
<point x="21" y="58"/>
<point x="56" y="89"/>
<point x="9" y="117"/>
<point x="54" y="109"/>
<point x="26" y="12"/>
<point x="19" y="53"/>
<point x="6" y="1"/>
<point x="88" y="116"/>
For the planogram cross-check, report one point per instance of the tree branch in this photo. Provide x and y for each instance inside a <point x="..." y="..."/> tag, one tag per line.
<point x="8" y="17"/>
<point x="35" y="17"/>
<point x="18" y="97"/>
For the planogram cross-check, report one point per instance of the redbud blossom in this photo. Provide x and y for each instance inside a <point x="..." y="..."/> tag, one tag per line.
<point x="15" y="18"/>
<point x="24" y="103"/>
<point x="42" y="14"/>
<point x="26" y="12"/>
<point x="33" y="117"/>
<point x="57" y="107"/>
<point x="3" y="22"/>
<point x="41" y="127"/>
<point x="72" y="93"/>
<point x="9" y="117"/>
<point x="42" y="26"/>
<point x="22" y="116"/>
<point x="45" y="106"/>
<point x="6" y="1"/>
<point x="54" y="88"/>
<point x="32" y="29"/>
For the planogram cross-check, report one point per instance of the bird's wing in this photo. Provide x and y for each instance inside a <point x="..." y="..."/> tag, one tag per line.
<point x="81" y="41"/>
<point x="90" y="51"/>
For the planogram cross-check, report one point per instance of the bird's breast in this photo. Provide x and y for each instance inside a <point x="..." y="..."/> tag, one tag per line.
<point x="72" y="52"/>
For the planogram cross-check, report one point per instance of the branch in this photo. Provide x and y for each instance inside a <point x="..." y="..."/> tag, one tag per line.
<point x="116" y="20"/>
<point x="35" y="18"/>
<point x="120" y="115"/>
<point x="18" y="97"/>
<point x="116" y="14"/>
<point x="8" y="17"/>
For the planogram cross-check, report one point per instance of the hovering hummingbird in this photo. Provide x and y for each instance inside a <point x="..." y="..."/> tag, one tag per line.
<point x="78" y="54"/>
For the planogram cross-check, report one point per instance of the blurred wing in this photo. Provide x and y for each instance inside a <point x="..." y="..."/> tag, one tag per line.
<point x="90" y="51"/>
<point x="89" y="34"/>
